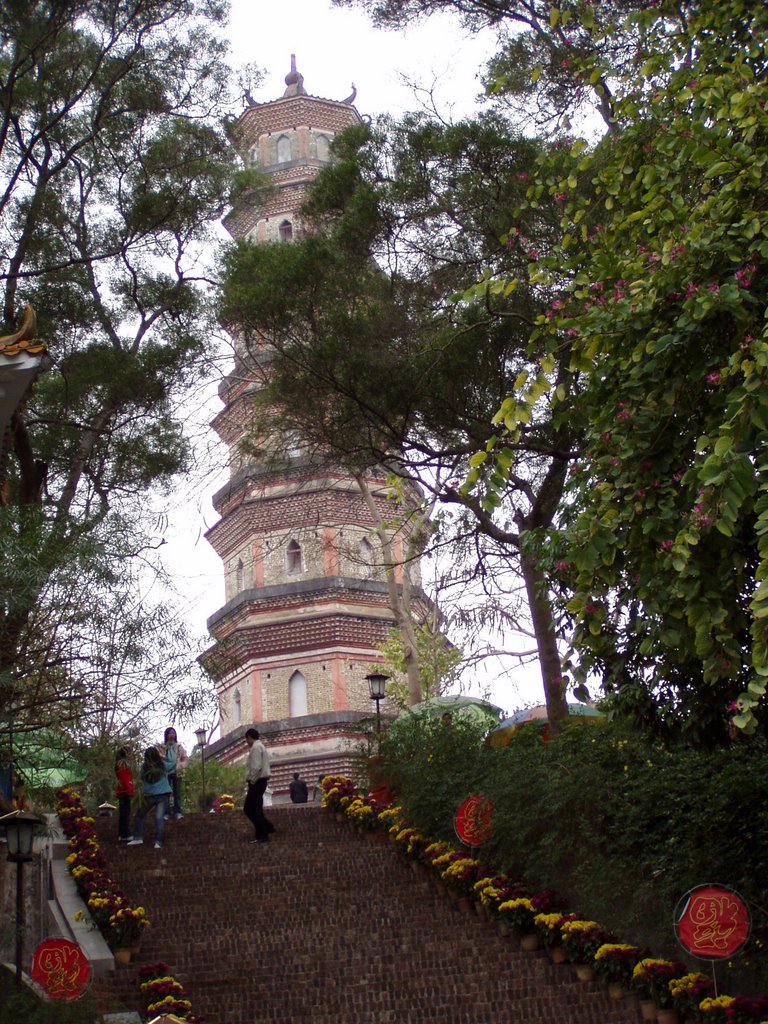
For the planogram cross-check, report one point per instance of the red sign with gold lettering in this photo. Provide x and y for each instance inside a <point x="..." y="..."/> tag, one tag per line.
<point x="61" y="968"/>
<point x="712" y="922"/>
<point x="474" y="820"/>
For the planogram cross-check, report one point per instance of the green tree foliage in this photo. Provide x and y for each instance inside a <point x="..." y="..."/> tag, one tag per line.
<point x="112" y="168"/>
<point x="375" y="314"/>
<point x="112" y="165"/>
<point x="439" y="664"/>
<point x="556" y="61"/>
<point x="661" y="552"/>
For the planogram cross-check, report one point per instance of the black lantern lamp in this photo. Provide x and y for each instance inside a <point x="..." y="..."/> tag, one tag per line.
<point x="201" y="735"/>
<point x="377" y="685"/>
<point x="19" y="834"/>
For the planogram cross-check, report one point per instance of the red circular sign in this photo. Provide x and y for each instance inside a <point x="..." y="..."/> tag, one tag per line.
<point x="61" y="968"/>
<point x="474" y="820"/>
<point x="712" y="922"/>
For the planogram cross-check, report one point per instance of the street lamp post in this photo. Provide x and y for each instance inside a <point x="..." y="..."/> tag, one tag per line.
<point x="19" y="832"/>
<point x="201" y="734"/>
<point x="377" y="685"/>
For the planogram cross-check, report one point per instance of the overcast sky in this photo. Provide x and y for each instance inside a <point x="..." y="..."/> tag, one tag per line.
<point x="336" y="47"/>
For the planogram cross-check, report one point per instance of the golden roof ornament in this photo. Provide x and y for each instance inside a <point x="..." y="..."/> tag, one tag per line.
<point x="23" y="339"/>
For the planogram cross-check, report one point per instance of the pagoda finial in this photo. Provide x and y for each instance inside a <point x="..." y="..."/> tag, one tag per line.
<point x="294" y="81"/>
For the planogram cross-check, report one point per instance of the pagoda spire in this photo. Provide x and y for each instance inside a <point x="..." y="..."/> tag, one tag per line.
<point x="294" y="81"/>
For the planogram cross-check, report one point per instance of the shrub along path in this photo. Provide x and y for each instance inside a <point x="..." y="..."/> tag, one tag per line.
<point x="323" y="925"/>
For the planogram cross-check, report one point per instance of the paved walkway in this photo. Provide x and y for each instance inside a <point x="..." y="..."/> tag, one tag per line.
<point x="324" y="926"/>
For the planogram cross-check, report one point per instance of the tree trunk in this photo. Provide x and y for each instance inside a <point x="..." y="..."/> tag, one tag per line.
<point x="544" y="631"/>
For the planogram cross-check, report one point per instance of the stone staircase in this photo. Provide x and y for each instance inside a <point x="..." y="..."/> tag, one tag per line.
<point x="323" y="925"/>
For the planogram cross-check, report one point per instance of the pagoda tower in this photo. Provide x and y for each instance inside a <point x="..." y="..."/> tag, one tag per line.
<point x="307" y="596"/>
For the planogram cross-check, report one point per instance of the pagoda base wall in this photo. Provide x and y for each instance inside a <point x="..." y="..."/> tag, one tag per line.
<point x="331" y="743"/>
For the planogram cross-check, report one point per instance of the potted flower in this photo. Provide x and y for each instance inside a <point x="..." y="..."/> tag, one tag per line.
<point x="391" y="819"/>
<point x="125" y="928"/>
<point x="179" y="1007"/>
<point x="489" y="886"/>
<point x="364" y="811"/>
<point x="685" y="992"/>
<point x="614" y="963"/>
<point x="223" y="803"/>
<point x="744" y="1010"/>
<point x="411" y="842"/>
<point x="164" y="994"/>
<point x="548" y="926"/>
<point x="651" y="978"/>
<point x="581" y="940"/>
<point x="103" y="904"/>
<point x="460" y="875"/>
<point x="414" y="845"/>
<point x="490" y="892"/>
<point x="338" y="791"/>
<point x="733" y="1009"/>
<point x="712" y="1009"/>
<point x="518" y="913"/>
<point x="157" y="989"/>
<point x="436" y="856"/>
<point x="360" y="813"/>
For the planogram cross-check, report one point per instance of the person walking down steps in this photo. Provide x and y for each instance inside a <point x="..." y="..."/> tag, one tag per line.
<point x="156" y="790"/>
<point x="257" y="780"/>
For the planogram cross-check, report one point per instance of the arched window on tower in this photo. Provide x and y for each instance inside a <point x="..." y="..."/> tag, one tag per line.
<point x="297" y="695"/>
<point x="366" y="554"/>
<point x="237" y="710"/>
<point x="293" y="563"/>
<point x="323" y="147"/>
<point x="285" y="231"/>
<point x="239" y="575"/>
<point x="283" y="149"/>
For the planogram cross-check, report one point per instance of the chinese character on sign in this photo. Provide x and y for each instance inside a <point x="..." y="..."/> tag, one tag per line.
<point x="61" y="969"/>
<point x="474" y="821"/>
<point x="712" y="922"/>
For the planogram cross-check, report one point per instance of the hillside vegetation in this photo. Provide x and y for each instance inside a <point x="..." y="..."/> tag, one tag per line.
<point x="620" y="828"/>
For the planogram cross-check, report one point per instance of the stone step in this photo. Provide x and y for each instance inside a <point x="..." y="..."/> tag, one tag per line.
<point x="322" y="925"/>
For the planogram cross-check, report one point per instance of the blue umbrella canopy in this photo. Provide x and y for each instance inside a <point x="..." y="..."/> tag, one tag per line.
<point x="501" y="734"/>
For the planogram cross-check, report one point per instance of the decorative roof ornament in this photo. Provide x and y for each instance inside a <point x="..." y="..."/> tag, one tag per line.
<point x="351" y="98"/>
<point x="24" y="338"/>
<point x="294" y="81"/>
<point x="22" y="358"/>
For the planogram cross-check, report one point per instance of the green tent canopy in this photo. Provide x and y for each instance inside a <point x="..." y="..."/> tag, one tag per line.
<point x="44" y="758"/>
<point x="471" y="709"/>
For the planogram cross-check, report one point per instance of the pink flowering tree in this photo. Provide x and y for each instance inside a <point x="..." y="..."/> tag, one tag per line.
<point x="662" y="542"/>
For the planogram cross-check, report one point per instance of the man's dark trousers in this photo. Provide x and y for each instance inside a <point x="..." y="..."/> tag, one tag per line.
<point x="253" y="808"/>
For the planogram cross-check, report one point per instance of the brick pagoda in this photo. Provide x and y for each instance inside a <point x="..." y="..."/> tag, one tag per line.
<point x="306" y="595"/>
